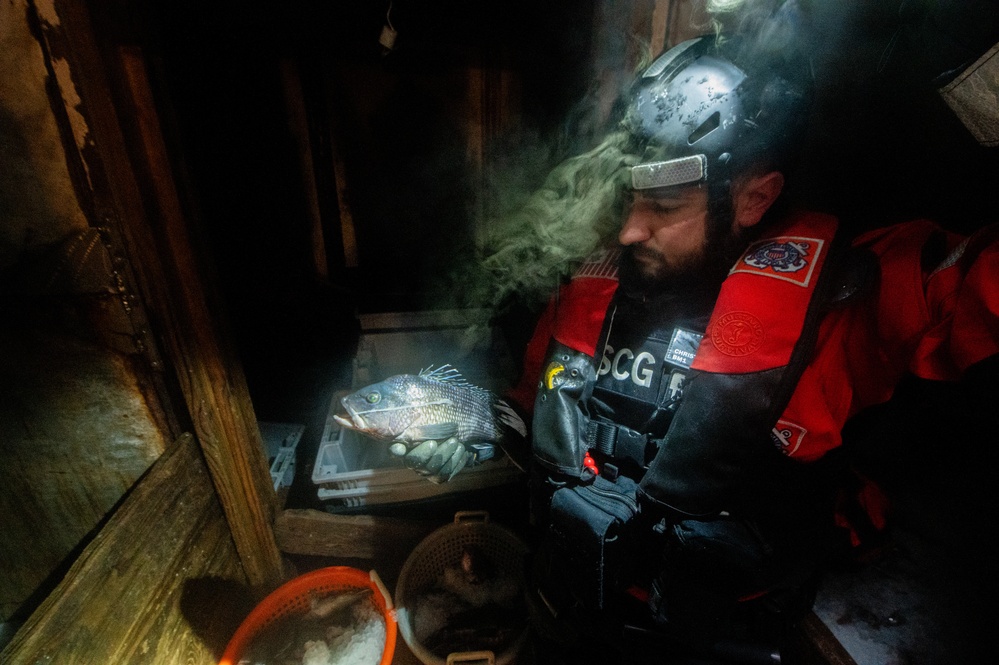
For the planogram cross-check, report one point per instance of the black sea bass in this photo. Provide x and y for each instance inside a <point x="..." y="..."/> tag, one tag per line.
<point x="434" y="405"/>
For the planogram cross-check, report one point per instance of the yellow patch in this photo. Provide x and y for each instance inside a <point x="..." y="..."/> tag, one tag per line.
<point x="554" y="369"/>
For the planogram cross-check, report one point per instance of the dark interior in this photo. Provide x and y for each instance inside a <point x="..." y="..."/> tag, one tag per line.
<point x="883" y="148"/>
<point x="396" y="119"/>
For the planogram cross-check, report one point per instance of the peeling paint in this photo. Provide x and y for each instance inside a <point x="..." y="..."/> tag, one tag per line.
<point x="72" y="101"/>
<point x="47" y="12"/>
<point x="38" y="204"/>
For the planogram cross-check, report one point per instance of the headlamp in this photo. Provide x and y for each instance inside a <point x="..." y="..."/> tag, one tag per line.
<point x="669" y="173"/>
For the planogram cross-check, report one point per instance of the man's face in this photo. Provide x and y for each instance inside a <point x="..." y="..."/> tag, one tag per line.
<point x="667" y="234"/>
<point x="676" y="239"/>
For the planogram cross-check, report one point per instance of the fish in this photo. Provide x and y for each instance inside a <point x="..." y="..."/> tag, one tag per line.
<point x="476" y="566"/>
<point x="436" y="405"/>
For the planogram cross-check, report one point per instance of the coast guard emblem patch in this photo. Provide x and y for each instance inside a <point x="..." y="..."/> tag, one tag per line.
<point x="789" y="258"/>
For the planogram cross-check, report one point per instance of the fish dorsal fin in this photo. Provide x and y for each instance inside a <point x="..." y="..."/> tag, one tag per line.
<point x="444" y="374"/>
<point x="450" y="375"/>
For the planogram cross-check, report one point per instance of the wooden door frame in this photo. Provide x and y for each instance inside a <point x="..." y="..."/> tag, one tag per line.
<point x="126" y="182"/>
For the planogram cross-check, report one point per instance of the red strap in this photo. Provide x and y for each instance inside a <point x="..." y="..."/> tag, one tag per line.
<point x="760" y="313"/>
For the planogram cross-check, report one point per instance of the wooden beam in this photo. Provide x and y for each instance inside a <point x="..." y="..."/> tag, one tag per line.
<point x="127" y="150"/>
<point x="210" y="374"/>
<point x="298" y="126"/>
<point x="661" y="13"/>
<point x="138" y="592"/>
<point x="687" y="19"/>
<point x="315" y="533"/>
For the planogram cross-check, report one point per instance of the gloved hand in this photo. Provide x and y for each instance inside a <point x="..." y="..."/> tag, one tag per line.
<point x="438" y="461"/>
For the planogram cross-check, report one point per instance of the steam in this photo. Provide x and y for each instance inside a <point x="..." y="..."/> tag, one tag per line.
<point x="577" y="209"/>
<point x="580" y="204"/>
<point x="774" y="31"/>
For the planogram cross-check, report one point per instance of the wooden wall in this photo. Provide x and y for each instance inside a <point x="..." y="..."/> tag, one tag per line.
<point x="109" y="343"/>
<point x="77" y="426"/>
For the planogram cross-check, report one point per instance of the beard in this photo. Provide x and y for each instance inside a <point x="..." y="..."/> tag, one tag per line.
<point x="646" y="272"/>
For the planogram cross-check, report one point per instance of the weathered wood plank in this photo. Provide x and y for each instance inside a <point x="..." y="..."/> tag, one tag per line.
<point x="315" y="533"/>
<point x="132" y="596"/>
<point x="210" y="375"/>
<point x="130" y="157"/>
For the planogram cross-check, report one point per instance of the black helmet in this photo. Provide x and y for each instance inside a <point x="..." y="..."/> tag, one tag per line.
<point x="697" y="116"/>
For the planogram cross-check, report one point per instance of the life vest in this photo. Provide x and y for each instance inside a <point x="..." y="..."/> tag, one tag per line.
<point x="724" y="436"/>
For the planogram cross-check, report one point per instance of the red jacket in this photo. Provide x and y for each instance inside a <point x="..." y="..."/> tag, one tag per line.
<point x="932" y="321"/>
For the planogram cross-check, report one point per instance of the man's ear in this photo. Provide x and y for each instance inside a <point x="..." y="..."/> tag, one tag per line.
<point x="754" y="195"/>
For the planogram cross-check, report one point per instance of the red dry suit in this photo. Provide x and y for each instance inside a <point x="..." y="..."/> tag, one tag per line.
<point x="933" y="312"/>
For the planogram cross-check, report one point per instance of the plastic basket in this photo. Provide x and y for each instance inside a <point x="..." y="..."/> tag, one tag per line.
<point x="443" y="549"/>
<point x="293" y="599"/>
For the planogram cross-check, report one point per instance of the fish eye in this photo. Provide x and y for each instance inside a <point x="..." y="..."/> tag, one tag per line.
<point x="374" y="397"/>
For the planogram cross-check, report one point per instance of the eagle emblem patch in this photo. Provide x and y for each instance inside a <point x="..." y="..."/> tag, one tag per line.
<point x="788" y="258"/>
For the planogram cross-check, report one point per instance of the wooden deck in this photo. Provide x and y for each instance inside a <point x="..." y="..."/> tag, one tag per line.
<point x="160" y="583"/>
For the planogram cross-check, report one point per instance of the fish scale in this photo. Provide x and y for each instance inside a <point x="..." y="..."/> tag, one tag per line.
<point x="470" y="409"/>
<point x="434" y="404"/>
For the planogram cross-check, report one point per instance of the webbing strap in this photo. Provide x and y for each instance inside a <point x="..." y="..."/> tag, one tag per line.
<point x="618" y="442"/>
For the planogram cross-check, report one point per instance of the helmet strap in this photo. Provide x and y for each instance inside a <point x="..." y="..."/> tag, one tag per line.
<point x="720" y="209"/>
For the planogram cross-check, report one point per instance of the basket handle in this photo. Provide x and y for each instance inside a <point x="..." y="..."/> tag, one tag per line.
<point x="381" y="588"/>
<point x="488" y="657"/>
<point x="470" y="515"/>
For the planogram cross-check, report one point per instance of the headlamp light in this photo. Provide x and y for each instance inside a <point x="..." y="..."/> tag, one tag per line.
<point x="669" y="173"/>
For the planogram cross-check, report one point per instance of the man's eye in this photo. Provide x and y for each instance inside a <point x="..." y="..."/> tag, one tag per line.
<point x="663" y="208"/>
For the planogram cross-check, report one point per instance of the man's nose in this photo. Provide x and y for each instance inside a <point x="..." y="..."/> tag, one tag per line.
<point x="635" y="230"/>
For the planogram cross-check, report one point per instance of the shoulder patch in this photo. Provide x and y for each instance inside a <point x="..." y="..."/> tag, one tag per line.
<point x="787" y="436"/>
<point x="789" y="258"/>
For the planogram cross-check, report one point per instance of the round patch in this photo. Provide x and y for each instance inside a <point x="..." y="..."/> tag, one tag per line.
<point x="737" y="334"/>
<point x="779" y="256"/>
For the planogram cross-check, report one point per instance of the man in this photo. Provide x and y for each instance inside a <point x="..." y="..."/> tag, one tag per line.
<point x="690" y="403"/>
<point x="688" y="389"/>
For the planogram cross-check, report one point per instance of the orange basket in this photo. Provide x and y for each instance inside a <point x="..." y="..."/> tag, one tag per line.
<point x="293" y="599"/>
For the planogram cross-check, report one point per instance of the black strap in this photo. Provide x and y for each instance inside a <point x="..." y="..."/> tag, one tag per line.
<point x="618" y="442"/>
